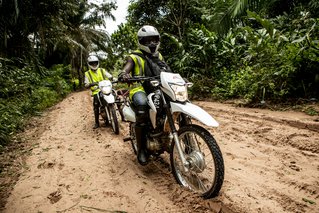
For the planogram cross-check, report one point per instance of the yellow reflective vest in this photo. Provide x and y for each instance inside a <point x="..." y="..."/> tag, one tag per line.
<point x="97" y="76"/>
<point x="139" y="66"/>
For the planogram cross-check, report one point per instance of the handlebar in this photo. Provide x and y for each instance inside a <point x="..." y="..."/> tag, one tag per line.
<point x="138" y="79"/>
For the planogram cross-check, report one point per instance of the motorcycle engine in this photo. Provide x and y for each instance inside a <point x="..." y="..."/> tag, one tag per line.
<point x="153" y="145"/>
<point x="103" y="113"/>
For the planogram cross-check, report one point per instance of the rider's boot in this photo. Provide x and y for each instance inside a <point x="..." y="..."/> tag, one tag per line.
<point x="96" y="116"/>
<point x="142" y="155"/>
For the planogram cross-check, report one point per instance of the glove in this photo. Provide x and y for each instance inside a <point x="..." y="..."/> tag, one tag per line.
<point x="93" y="84"/>
<point x="123" y="76"/>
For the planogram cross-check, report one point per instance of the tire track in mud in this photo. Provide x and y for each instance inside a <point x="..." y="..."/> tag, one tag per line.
<point x="258" y="129"/>
<point x="263" y="126"/>
<point x="283" y="151"/>
<point x="312" y="125"/>
<point x="270" y="166"/>
<point x="159" y="173"/>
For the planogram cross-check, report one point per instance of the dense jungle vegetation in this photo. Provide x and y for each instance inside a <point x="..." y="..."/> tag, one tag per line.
<point x="254" y="50"/>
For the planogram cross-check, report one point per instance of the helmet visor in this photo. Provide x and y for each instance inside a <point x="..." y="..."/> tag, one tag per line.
<point x="150" y="40"/>
<point x="93" y="63"/>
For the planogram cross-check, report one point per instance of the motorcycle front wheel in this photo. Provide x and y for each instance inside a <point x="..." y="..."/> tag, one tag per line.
<point x="205" y="172"/>
<point x="133" y="138"/>
<point x="113" y="119"/>
<point x="105" y="115"/>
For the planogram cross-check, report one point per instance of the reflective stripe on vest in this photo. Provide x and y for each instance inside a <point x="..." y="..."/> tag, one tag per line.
<point x="97" y="76"/>
<point x="139" y="65"/>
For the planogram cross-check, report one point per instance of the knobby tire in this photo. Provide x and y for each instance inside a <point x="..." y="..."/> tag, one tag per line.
<point x="114" y="120"/>
<point x="215" y="181"/>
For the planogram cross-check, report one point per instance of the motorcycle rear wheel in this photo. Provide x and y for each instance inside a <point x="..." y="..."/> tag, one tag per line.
<point x="113" y="118"/>
<point x="205" y="173"/>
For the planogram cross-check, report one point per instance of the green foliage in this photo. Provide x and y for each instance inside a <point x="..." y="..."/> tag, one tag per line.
<point x="311" y="111"/>
<point x="123" y="41"/>
<point x="53" y="32"/>
<point x="58" y="80"/>
<point x="251" y="50"/>
<point x="267" y="54"/>
<point x="44" y="97"/>
<point x="25" y="92"/>
<point x="274" y="61"/>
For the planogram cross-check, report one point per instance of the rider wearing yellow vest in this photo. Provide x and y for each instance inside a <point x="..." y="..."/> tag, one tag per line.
<point x="146" y="61"/>
<point x="139" y="66"/>
<point x="91" y="79"/>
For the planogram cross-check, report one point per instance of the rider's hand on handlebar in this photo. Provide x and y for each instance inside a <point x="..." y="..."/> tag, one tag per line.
<point x="124" y="77"/>
<point x="93" y="84"/>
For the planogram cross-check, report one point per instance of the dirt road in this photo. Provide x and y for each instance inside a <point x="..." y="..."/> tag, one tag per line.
<point x="271" y="165"/>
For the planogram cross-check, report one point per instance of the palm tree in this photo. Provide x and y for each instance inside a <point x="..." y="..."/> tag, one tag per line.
<point x="47" y="24"/>
<point x="228" y="13"/>
<point x="82" y="36"/>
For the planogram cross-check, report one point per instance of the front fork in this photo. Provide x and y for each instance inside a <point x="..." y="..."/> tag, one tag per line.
<point x="175" y="135"/>
<point x="105" y="106"/>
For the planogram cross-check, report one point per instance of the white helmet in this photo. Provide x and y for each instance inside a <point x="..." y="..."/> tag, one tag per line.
<point x="148" y="39"/>
<point x="93" y="62"/>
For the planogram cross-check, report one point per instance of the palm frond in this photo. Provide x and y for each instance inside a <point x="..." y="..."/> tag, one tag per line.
<point x="228" y="13"/>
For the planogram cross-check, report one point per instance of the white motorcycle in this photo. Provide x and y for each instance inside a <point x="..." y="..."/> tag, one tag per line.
<point x="195" y="156"/>
<point x="107" y="96"/>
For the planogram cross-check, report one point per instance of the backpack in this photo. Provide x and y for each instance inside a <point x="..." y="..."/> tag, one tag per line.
<point x="154" y="65"/>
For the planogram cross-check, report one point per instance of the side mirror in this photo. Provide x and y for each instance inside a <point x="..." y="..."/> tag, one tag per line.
<point x="189" y="84"/>
<point x="155" y="83"/>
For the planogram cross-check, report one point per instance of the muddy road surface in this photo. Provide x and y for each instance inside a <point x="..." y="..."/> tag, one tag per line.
<point x="271" y="165"/>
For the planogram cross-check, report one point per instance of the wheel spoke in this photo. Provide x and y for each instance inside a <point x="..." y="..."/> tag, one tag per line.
<point x="206" y="169"/>
<point x="200" y="185"/>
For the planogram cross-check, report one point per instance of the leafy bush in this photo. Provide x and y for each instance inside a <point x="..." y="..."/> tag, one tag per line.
<point x="26" y="93"/>
<point x="276" y="61"/>
<point x="43" y="98"/>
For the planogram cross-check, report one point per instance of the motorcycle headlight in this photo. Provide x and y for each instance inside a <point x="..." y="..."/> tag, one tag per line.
<point x="106" y="90"/>
<point x="180" y="92"/>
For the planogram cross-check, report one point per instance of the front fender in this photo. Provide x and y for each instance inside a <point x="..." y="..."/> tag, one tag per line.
<point x="195" y="112"/>
<point x="109" y="98"/>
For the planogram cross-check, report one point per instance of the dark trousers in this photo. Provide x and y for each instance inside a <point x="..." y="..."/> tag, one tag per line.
<point x="96" y="108"/>
<point x="140" y="106"/>
<point x="139" y="100"/>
